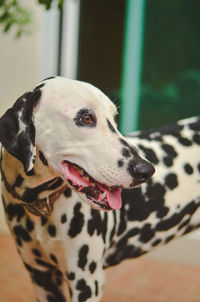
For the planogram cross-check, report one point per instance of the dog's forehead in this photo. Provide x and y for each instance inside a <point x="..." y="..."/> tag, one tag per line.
<point x="71" y="95"/>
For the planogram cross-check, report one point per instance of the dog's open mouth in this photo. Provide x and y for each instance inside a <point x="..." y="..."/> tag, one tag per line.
<point x="102" y="196"/>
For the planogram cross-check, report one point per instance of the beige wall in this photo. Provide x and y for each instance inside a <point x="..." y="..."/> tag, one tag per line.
<point x="20" y="65"/>
<point x="20" y="60"/>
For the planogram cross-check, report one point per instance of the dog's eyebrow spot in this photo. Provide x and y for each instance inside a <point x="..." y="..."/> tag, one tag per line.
<point x="85" y="118"/>
<point x="123" y="142"/>
<point x="110" y="126"/>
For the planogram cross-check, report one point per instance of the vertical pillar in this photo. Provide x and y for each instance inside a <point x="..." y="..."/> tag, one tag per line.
<point x="132" y="63"/>
<point x="70" y="39"/>
<point x="50" y="41"/>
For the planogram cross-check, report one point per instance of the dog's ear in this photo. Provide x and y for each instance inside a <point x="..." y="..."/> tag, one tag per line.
<point x="17" y="130"/>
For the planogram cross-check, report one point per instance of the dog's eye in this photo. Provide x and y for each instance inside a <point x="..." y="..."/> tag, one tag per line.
<point x="85" y="118"/>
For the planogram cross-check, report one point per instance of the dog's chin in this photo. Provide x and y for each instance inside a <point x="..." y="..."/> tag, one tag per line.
<point x="97" y="195"/>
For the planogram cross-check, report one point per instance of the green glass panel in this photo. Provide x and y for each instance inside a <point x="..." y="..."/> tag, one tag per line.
<point x="171" y="62"/>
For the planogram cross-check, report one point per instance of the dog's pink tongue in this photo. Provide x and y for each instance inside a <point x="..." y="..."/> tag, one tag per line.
<point x="70" y="173"/>
<point x="113" y="197"/>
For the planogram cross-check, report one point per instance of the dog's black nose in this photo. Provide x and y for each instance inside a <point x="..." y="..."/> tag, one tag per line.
<point x="143" y="170"/>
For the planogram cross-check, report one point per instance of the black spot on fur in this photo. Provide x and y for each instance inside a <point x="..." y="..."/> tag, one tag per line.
<point x="162" y="212"/>
<point x="43" y="220"/>
<point x="141" y="205"/>
<point x="171" y="181"/>
<point x="46" y="280"/>
<point x="52" y="230"/>
<point x="196" y="139"/>
<point x="82" y="256"/>
<point x="85" y="291"/>
<point x="92" y="267"/>
<point x="95" y="223"/>
<point x="50" y="298"/>
<point x="96" y="288"/>
<point x="36" y="252"/>
<point x="171" y="154"/>
<point x="77" y="221"/>
<point x="44" y="263"/>
<point x="22" y="233"/>
<point x="53" y="258"/>
<point x="188" y="169"/>
<point x="112" y="233"/>
<point x="70" y="291"/>
<point x="149" y="154"/>
<point x="104" y="226"/>
<point x="71" y="276"/>
<point x="29" y="224"/>
<point x="156" y="242"/>
<point x="123" y="142"/>
<point x="15" y="210"/>
<point x="184" y="223"/>
<point x="176" y="218"/>
<point x="195" y="126"/>
<point x="189" y="229"/>
<point x="43" y="159"/>
<point x="19" y="241"/>
<point x="184" y="141"/>
<point x="110" y="126"/>
<point x="63" y="218"/>
<point x="122" y="222"/>
<point x="19" y="180"/>
<point x="168" y="161"/>
<point x="10" y="209"/>
<point x="169" y="238"/>
<point x="120" y="163"/>
<point x="123" y="252"/>
<point x="58" y="275"/>
<point x="125" y="152"/>
<point x="169" y="150"/>
<point x="68" y="192"/>
<point x="146" y="233"/>
<point x="123" y="242"/>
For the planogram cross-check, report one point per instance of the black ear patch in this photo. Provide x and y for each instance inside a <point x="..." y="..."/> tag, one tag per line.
<point x="17" y="130"/>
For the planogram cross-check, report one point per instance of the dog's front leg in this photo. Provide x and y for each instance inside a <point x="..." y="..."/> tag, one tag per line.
<point x="85" y="271"/>
<point x="49" y="285"/>
<point x="86" y="286"/>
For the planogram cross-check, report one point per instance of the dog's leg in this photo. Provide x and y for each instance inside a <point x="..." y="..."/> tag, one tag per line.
<point x="87" y="285"/>
<point x="85" y="273"/>
<point x="49" y="285"/>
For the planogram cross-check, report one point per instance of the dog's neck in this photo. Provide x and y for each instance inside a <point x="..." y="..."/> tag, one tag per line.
<point x="38" y="184"/>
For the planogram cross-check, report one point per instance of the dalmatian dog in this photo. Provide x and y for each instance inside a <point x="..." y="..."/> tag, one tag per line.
<point x="70" y="187"/>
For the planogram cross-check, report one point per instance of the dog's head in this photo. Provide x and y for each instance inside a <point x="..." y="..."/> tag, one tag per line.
<point x="73" y="124"/>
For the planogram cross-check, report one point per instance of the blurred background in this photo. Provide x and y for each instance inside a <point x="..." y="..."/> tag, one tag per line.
<point x="144" y="54"/>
